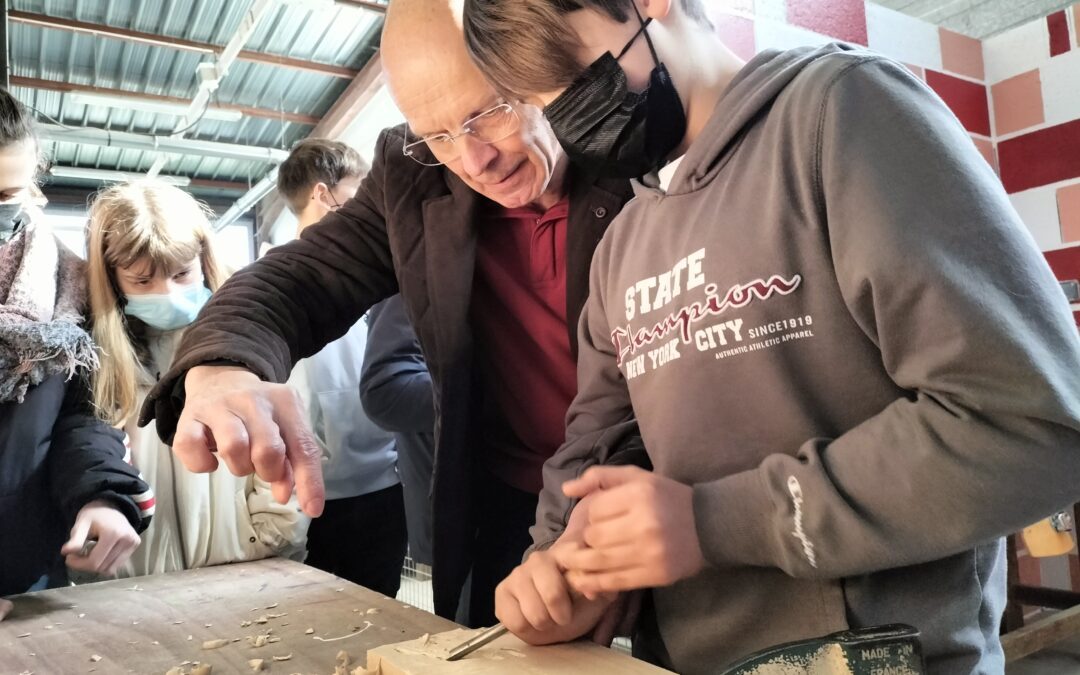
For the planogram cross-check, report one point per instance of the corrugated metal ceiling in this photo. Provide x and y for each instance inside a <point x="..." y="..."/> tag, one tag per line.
<point x="338" y="35"/>
<point x="977" y="18"/>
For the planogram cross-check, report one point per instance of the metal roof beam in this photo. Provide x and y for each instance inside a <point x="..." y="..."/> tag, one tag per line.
<point x="153" y="40"/>
<point x="70" y="87"/>
<point x="5" y="33"/>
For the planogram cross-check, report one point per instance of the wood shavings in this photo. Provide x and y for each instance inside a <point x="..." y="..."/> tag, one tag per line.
<point x="287" y="657"/>
<point x="272" y="640"/>
<point x="48" y="627"/>
<point x="257" y="665"/>
<point x="343" y="637"/>
<point x="175" y="671"/>
<point x="202" y="669"/>
<point x="214" y="644"/>
<point x="262" y="619"/>
<point x="24" y="635"/>
<point x="95" y="658"/>
<point x="208" y="625"/>
<point x="374" y="610"/>
<point x="245" y="624"/>
<point x="134" y="623"/>
<point x="277" y="616"/>
<point x="258" y="640"/>
<point x="136" y="587"/>
<point x="81" y="616"/>
<point x="175" y="623"/>
<point x="339" y="590"/>
<point x="273" y="606"/>
<point x="155" y="642"/>
<point x="344" y="660"/>
<point x="309" y="631"/>
<point x="190" y="638"/>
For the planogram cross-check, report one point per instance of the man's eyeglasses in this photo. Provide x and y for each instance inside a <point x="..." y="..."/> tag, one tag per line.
<point x="491" y="126"/>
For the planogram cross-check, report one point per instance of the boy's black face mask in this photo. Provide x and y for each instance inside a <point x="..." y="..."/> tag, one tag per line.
<point x="611" y="131"/>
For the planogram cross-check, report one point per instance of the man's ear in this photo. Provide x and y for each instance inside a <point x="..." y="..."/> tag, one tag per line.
<point x="655" y="9"/>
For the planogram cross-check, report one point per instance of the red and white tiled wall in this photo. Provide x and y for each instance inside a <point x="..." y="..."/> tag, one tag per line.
<point x="1017" y="94"/>
<point x="952" y="64"/>
<point x="1034" y="77"/>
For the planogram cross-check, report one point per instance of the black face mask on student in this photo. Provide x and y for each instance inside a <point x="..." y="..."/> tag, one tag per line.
<point x="611" y="131"/>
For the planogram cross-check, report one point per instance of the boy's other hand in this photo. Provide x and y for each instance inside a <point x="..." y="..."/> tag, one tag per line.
<point x="640" y="532"/>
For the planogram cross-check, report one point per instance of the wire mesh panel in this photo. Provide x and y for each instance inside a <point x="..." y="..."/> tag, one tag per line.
<point x="416" y="585"/>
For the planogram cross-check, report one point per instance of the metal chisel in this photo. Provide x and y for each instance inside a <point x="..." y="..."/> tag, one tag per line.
<point x="472" y="644"/>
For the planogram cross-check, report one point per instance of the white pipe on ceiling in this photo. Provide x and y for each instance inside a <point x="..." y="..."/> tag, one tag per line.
<point x="248" y="201"/>
<point x="106" y="176"/>
<point x="166" y="144"/>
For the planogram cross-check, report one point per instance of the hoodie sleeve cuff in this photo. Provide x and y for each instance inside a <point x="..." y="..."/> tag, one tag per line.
<point x="732" y="517"/>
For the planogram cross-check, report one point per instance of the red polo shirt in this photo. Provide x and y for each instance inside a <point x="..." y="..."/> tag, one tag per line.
<point x="519" y="313"/>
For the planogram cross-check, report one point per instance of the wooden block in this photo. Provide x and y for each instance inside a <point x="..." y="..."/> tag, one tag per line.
<point x="1041" y="634"/>
<point x="506" y="654"/>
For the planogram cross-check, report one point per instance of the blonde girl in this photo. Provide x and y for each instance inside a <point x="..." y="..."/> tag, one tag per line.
<point x="151" y="269"/>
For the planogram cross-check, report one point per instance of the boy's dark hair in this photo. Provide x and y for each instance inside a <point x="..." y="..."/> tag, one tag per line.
<point x="16" y="124"/>
<point x="313" y="161"/>
<point x="526" y="46"/>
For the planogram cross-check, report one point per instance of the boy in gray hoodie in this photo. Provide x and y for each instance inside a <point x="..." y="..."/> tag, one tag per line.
<point x="853" y="370"/>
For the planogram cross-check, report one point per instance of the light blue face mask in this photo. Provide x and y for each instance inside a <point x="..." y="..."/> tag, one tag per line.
<point x="171" y="311"/>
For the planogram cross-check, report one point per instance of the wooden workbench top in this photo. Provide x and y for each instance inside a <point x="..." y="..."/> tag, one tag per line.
<point x="143" y="625"/>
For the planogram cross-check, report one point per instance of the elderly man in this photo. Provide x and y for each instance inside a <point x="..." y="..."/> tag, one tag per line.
<point x="472" y="213"/>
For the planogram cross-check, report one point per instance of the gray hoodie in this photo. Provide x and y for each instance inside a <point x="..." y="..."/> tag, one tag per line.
<point x="837" y="329"/>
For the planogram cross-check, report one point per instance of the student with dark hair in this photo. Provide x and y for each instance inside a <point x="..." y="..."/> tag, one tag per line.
<point x="397" y="393"/>
<point x="362" y="533"/>
<point x="853" y="370"/>
<point x="63" y="479"/>
<point x="318" y="176"/>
